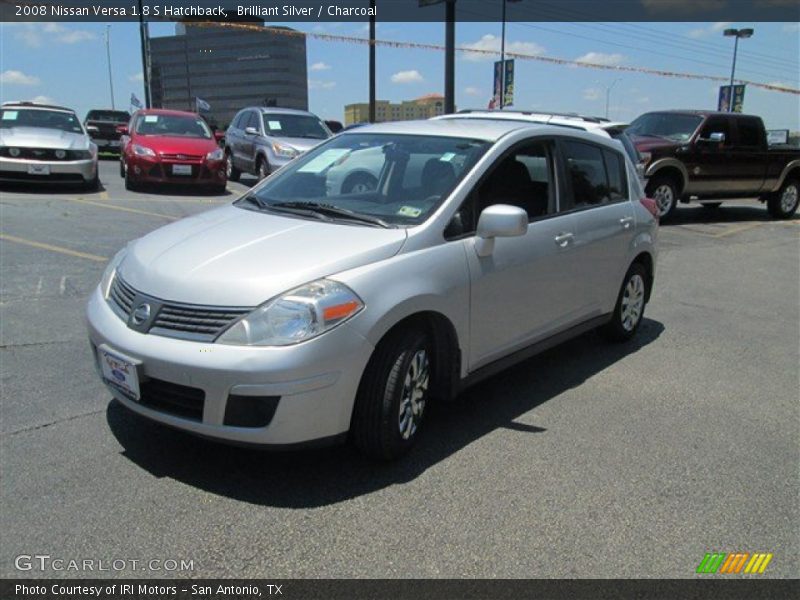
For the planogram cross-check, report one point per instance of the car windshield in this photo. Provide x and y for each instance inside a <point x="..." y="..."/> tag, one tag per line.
<point x="295" y="126"/>
<point x="671" y="126"/>
<point x="173" y="125"/>
<point x="399" y="180"/>
<point x="116" y="116"/>
<point x="38" y="117"/>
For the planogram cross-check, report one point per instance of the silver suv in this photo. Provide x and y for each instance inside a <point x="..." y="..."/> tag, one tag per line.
<point x="299" y="314"/>
<point x="261" y="140"/>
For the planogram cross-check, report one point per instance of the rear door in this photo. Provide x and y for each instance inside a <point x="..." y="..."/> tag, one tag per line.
<point x="597" y="198"/>
<point x="749" y="155"/>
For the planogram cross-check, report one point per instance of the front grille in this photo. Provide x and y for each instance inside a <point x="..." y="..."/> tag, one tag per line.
<point x="182" y="157"/>
<point x="172" y="319"/>
<point x="172" y="398"/>
<point x="48" y="154"/>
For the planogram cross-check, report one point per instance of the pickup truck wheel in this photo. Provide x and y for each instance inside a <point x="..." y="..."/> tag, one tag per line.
<point x="784" y="204"/>
<point x="392" y="395"/>
<point x="664" y="191"/>
<point x="629" y="310"/>
<point x="232" y="172"/>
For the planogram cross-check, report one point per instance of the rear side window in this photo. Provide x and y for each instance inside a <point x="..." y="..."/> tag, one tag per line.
<point x="749" y="132"/>
<point x="596" y="176"/>
<point x="237" y="121"/>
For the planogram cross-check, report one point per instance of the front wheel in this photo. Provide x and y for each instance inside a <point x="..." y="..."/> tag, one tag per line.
<point x="231" y="171"/>
<point x="784" y="204"/>
<point x="629" y="310"/>
<point x="664" y="191"/>
<point x="393" y="395"/>
<point x="262" y="169"/>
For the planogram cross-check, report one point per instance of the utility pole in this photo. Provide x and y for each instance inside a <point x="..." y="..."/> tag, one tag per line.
<point x="372" y="63"/>
<point x="108" y="55"/>
<point x="735" y="33"/>
<point x="608" y="93"/>
<point x="450" y="57"/>
<point x="503" y="59"/>
<point x="145" y="51"/>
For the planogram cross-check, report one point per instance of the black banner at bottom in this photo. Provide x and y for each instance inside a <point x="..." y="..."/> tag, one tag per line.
<point x="403" y="589"/>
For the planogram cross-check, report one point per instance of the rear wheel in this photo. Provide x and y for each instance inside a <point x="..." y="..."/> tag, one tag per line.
<point x="664" y="190"/>
<point x="784" y="204"/>
<point x="232" y="172"/>
<point x="393" y="395"/>
<point x="629" y="310"/>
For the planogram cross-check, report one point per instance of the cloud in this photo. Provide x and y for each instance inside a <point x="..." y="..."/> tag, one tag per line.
<point x="319" y="66"/>
<point x="12" y="77"/>
<point x="316" y="84"/>
<point x="489" y="45"/>
<point x="412" y="76"/>
<point x="591" y="94"/>
<point x="715" y="28"/>
<point x="473" y="91"/>
<point x="44" y="99"/>
<point x="34" y="35"/>
<point x="136" y="77"/>
<point x="601" y="58"/>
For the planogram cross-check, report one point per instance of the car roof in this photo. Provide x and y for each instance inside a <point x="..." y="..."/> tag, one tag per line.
<point x="19" y="104"/>
<point x="483" y="129"/>
<point x="698" y="112"/>
<point x="565" y="119"/>
<point x="166" y="111"/>
<point x="278" y="111"/>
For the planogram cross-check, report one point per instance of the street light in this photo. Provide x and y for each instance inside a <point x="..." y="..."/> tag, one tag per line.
<point x="503" y="56"/>
<point x="735" y="33"/>
<point x="608" y="93"/>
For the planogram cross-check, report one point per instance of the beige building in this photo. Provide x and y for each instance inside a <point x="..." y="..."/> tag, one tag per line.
<point x="425" y="107"/>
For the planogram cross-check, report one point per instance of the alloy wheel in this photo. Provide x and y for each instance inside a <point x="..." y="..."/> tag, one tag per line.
<point x="415" y="389"/>
<point x="789" y="198"/>
<point x="664" y="197"/>
<point x="632" y="302"/>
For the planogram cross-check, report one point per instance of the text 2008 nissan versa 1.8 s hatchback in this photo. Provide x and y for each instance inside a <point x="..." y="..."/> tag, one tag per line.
<point x="297" y="315"/>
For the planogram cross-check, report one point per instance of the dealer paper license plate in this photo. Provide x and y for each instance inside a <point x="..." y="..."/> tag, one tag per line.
<point x="120" y="372"/>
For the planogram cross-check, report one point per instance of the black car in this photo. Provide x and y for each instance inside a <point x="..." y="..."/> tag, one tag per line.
<point x="101" y="124"/>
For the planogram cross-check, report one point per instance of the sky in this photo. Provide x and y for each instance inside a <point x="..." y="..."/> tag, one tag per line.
<point x="66" y="64"/>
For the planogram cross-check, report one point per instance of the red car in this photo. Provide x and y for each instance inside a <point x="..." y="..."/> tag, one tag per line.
<point x="170" y="146"/>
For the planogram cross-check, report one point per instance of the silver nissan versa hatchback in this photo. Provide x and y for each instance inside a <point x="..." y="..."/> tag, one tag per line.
<point x="298" y="315"/>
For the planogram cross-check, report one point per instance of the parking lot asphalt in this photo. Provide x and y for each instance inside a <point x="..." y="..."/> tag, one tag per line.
<point x="591" y="460"/>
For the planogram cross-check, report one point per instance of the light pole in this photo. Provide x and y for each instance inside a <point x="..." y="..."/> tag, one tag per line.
<point x="735" y="33"/>
<point x="608" y="93"/>
<point x="503" y="56"/>
<point x="108" y="55"/>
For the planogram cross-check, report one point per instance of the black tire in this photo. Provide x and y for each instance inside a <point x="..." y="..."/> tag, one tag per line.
<point x="618" y="329"/>
<point x="664" y="190"/>
<point x="784" y="204"/>
<point x="711" y="205"/>
<point x="122" y="168"/>
<point x="130" y="185"/>
<point x="359" y="183"/>
<point x="262" y="168"/>
<point x="92" y="185"/>
<point x="377" y="418"/>
<point x="218" y="189"/>
<point x="230" y="169"/>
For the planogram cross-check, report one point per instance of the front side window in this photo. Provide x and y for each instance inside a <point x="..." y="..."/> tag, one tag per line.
<point x="675" y="127"/>
<point x="295" y="126"/>
<point x="715" y="125"/>
<point x="37" y="117"/>
<point x="173" y="125"/>
<point x="596" y="176"/>
<point x="408" y="176"/>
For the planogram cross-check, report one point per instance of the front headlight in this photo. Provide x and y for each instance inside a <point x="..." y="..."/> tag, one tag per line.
<point x="111" y="270"/>
<point x="296" y="316"/>
<point x="284" y="150"/>
<point x="143" y="150"/>
<point x="81" y="154"/>
<point x="217" y="154"/>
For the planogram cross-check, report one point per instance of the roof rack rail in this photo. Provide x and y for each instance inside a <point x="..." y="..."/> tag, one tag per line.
<point x="36" y="105"/>
<point x="571" y="115"/>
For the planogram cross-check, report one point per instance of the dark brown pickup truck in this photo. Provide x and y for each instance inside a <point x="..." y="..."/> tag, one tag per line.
<point x="708" y="157"/>
<point x="101" y="125"/>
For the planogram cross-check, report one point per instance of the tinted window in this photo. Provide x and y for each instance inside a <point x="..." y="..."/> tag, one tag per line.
<point x="630" y="149"/>
<point x="237" y="121"/>
<point x="615" y="168"/>
<point x="716" y="125"/>
<point x="749" y="132"/>
<point x="677" y="127"/>
<point x="252" y="120"/>
<point x="296" y="126"/>
<point x="173" y="125"/>
<point x="116" y="116"/>
<point x="587" y="174"/>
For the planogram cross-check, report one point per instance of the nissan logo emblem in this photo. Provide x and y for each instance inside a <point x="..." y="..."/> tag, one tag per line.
<point x="141" y="314"/>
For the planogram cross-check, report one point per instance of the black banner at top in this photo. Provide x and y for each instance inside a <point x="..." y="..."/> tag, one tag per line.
<point x="274" y="11"/>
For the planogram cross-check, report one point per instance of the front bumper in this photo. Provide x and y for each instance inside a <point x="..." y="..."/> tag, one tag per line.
<point x="58" y="171"/>
<point x="316" y="381"/>
<point x="150" y="170"/>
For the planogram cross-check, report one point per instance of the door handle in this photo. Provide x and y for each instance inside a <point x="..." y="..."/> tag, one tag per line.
<point x="563" y="239"/>
<point x="626" y="222"/>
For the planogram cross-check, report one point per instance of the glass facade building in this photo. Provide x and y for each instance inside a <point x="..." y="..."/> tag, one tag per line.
<point x="229" y="68"/>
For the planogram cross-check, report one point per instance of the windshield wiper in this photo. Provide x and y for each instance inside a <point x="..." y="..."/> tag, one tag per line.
<point x="332" y="211"/>
<point x="253" y="199"/>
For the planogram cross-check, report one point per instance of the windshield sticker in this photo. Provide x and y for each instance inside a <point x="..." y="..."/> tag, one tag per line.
<point x="275" y="125"/>
<point x="448" y="156"/>
<point x="323" y="161"/>
<point x="409" y="211"/>
<point x="151" y="118"/>
<point x="9" y="115"/>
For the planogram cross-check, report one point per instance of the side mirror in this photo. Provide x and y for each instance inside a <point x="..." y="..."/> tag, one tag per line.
<point x="714" y="138"/>
<point x="499" y="220"/>
<point x="122" y="129"/>
<point x="251" y="131"/>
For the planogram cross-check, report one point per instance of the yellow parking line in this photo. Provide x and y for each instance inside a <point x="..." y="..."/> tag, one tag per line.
<point x="739" y="229"/>
<point x="123" y="208"/>
<point x="51" y="248"/>
<point x="103" y="195"/>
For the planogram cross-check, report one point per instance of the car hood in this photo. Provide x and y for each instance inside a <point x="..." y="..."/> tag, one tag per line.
<point x="39" y="137"/>
<point x="164" y="144"/>
<point x="235" y="257"/>
<point x="302" y="144"/>
<point x="646" y="143"/>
